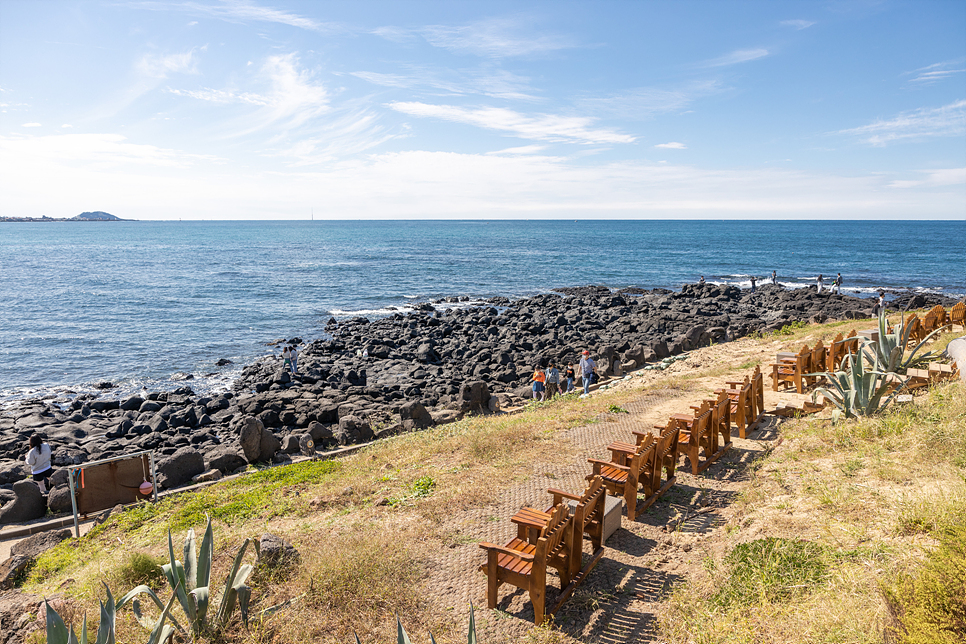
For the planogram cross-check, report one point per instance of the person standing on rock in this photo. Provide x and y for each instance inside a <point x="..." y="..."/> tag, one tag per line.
<point x="753" y="281"/>
<point x="571" y="376"/>
<point x="774" y="278"/>
<point x="820" y="282"/>
<point x="838" y="284"/>
<point x="38" y="460"/>
<point x="587" y="370"/>
<point x="701" y="280"/>
<point x="553" y="381"/>
<point x="538" y="388"/>
<point x="294" y="357"/>
<point x="286" y="358"/>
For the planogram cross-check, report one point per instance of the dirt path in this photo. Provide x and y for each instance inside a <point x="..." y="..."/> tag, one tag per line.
<point x="643" y="559"/>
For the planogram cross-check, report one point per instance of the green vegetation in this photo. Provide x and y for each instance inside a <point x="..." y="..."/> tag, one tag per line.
<point x="857" y="391"/>
<point x="768" y="571"/>
<point x="58" y="633"/>
<point x="791" y="328"/>
<point x="402" y="637"/>
<point x="888" y="351"/>
<point x="930" y="604"/>
<point x="616" y="409"/>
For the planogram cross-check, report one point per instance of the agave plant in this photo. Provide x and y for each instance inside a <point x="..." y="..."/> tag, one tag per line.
<point x="190" y="584"/>
<point x="857" y="391"/>
<point x="402" y="637"/>
<point x="58" y="633"/>
<point x="888" y="352"/>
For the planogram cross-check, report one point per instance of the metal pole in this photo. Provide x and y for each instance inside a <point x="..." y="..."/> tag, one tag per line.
<point x="73" y="501"/>
<point x="154" y="478"/>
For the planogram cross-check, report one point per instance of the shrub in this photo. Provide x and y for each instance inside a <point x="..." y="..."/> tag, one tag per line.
<point x="771" y="570"/>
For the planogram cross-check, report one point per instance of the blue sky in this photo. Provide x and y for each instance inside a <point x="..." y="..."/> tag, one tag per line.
<point x="200" y="109"/>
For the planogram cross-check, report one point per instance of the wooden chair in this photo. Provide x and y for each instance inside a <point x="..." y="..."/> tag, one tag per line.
<point x="840" y="348"/>
<point x="588" y="521"/>
<point x="665" y="458"/>
<point x="957" y="315"/>
<point x="697" y="436"/>
<point x="757" y="396"/>
<point x="791" y="371"/>
<point x="524" y="564"/>
<point x="918" y="333"/>
<point x="817" y="362"/>
<point x="742" y="397"/>
<point x="721" y="419"/>
<point x="917" y="378"/>
<point x="622" y="479"/>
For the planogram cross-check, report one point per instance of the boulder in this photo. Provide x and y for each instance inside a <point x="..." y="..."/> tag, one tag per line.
<point x="320" y="433"/>
<point x="180" y="467"/>
<point x="306" y="444"/>
<point x="207" y="476"/>
<point x="353" y="429"/>
<point x="11" y="569"/>
<point x="415" y="416"/>
<point x="30" y="504"/>
<point x="131" y="403"/>
<point x="274" y="552"/>
<point x="59" y="500"/>
<point x="268" y="445"/>
<point x="290" y="444"/>
<point x="474" y="397"/>
<point x="35" y="545"/>
<point x="225" y="459"/>
<point x="12" y="471"/>
<point x="250" y="437"/>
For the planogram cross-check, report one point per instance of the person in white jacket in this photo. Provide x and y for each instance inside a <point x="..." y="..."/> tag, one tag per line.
<point x="38" y="460"/>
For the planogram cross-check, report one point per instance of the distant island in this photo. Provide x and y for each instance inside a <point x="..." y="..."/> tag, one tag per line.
<point x="84" y="216"/>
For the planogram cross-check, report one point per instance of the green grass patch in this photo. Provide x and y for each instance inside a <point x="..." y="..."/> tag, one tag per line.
<point x="772" y="570"/>
<point x="616" y="409"/>
<point x="930" y="605"/>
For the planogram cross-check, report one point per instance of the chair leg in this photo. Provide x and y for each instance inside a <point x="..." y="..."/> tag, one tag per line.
<point x="492" y="581"/>
<point x="538" y="597"/>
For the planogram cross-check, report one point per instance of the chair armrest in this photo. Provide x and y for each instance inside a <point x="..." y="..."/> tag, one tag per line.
<point x="513" y="553"/>
<point x="566" y="495"/>
<point x="609" y="464"/>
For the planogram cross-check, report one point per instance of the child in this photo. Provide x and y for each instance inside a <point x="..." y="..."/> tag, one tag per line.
<point x="570" y="375"/>
<point x="538" y="379"/>
<point x="38" y="460"/>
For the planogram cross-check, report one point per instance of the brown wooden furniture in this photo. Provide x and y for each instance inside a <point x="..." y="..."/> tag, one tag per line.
<point x="524" y="564"/>
<point x="622" y="474"/>
<point x="663" y="459"/>
<point x="588" y="520"/>
<point x="917" y="333"/>
<point x="957" y="315"/>
<point x="791" y="371"/>
<point x="817" y="362"/>
<point x="742" y="398"/>
<point x="698" y="436"/>
<point x="758" y="395"/>
<point x="839" y="348"/>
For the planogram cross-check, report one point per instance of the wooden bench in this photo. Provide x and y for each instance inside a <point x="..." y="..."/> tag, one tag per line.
<point x="917" y="332"/>
<point x="957" y="315"/>
<point x="524" y="564"/>
<point x="791" y="371"/>
<point x="588" y="518"/>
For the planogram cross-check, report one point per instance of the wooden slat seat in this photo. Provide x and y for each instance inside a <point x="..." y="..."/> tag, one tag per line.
<point x="663" y="459"/>
<point x="742" y="398"/>
<point x="524" y="564"/>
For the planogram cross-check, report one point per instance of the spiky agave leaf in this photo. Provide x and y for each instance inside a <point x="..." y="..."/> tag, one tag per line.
<point x="105" y="630"/>
<point x="57" y="632"/>
<point x="402" y="637"/>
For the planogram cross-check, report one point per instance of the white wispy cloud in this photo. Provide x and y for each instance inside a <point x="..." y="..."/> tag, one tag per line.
<point x="99" y="150"/>
<point x="934" y="178"/>
<point x="673" y="145"/>
<point x="644" y="102"/>
<point x="496" y="83"/>
<point x="736" y="57"/>
<point x="30" y="125"/>
<point x="238" y="11"/>
<point x="544" y="127"/>
<point x="291" y="97"/>
<point x="948" y="120"/>
<point x="797" y="24"/>
<point x="494" y="38"/>
<point x="161" y="65"/>
<point x="936" y="72"/>
<point x="523" y="149"/>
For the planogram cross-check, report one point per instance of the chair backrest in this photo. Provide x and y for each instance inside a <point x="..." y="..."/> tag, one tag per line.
<point x="642" y="456"/>
<point x="940" y="314"/>
<point x="957" y="314"/>
<point x="554" y="533"/>
<point x="701" y="425"/>
<point x="758" y="391"/>
<point x="818" y="357"/>
<point x="591" y="504"/>
<point x="721" y="411"/>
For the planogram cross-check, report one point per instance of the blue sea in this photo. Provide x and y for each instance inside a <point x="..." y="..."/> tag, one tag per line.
<point x="138" y="302"/>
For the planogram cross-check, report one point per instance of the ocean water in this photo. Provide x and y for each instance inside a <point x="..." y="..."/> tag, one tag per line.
<point x="137" y="302"/>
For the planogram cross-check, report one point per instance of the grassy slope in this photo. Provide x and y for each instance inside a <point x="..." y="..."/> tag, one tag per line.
<point x="869" y="495"/>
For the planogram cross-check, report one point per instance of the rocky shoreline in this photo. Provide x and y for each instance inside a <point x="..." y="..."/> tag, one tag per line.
<point x="374" y="378"/>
